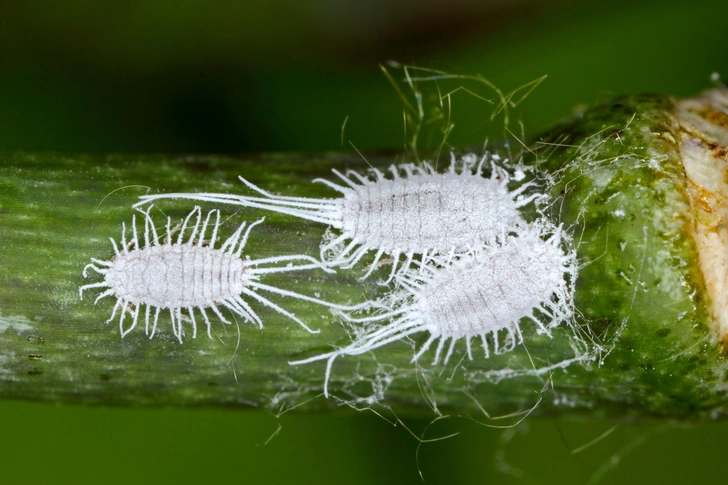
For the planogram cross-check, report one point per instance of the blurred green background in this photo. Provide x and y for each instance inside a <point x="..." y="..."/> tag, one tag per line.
<point x="233" y="77"/>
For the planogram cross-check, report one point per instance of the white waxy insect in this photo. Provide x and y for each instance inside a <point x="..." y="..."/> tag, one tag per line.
<point x="421" y="213"/>
<point x="481" y="293"/>
<point x="191" y="274"/>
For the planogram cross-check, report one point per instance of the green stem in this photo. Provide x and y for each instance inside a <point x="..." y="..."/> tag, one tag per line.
<point x="642" y="343"/>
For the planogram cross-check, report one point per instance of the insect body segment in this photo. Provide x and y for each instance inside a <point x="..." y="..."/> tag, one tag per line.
<point x="482" y="293"/>
<point x="191" y="274"/>
<point x="416" y="212"/>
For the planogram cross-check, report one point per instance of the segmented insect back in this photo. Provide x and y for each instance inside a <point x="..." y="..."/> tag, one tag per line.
<point x="183" y="275"/>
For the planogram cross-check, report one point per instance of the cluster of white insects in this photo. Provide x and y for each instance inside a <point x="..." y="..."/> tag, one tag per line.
<point x="473" y="267"/>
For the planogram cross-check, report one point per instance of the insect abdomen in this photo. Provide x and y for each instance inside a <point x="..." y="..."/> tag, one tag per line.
<point x="478" y="296"/>
<point x="424" y="212"/>
<point x="176" y="276"/>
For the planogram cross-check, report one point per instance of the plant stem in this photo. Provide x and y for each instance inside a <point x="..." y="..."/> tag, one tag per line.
<point x="643" y="343"/>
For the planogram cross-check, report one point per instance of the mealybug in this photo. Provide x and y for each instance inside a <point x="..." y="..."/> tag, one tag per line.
<point x="422" y="213"/>
<point x="477" y="294"/>
<point x="189" y="275"/>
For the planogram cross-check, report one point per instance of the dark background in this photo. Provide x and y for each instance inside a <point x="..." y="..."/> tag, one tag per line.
<point x="234" y="77"/>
